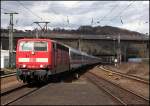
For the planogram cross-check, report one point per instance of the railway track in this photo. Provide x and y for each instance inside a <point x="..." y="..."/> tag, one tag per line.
<point x="16" y="91"/>
<point x="125" y="75"/>
<point x="122" y="95"/>
<point x="8" y="81"/>
<point x="8" y="75"/>
<point x="15" y="94"/>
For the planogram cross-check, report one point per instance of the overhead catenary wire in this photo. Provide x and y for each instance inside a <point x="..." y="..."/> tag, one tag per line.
<point x="7" y="10"/>
<point x="67" y="20"/>
<point x="34" y="13"/>
<point x="121" y="12"/>
<point x="30" y="10"/>
<point x="109" y="12"/>
<point x="70" y="20"/>
<point x="102" y="19"/>
<point x="58" y="13"/>
<point x="92" y="21"/>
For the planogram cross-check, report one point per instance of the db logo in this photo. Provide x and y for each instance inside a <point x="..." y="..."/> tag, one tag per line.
<point x="32" y="59"/>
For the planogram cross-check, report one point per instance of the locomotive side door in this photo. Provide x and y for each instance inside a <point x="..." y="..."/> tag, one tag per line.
<point x="55" y="56"/>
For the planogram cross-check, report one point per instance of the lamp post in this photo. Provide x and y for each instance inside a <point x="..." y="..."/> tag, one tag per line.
<point x="114" y="49"/>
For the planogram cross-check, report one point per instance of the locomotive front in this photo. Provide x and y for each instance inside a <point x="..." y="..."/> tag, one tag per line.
<point x="33" y="59"/>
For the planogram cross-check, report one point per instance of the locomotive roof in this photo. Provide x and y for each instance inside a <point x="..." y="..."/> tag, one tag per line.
<point x="70" y="48"/>
<point x="35" y="39"/>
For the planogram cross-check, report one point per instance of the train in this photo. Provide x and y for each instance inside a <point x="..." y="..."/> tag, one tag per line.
<point x="37" y="59"/>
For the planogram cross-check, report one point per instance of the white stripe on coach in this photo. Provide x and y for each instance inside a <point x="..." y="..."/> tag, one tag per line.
<point x="23" y="60"/>
<point x="41" y="59"/>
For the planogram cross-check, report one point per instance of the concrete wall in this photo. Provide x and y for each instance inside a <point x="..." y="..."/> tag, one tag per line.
<point x="4" y="58"/>
<point x="109" y="47"/>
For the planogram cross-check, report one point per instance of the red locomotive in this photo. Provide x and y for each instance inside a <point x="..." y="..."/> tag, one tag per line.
<point x="37" y="59"/>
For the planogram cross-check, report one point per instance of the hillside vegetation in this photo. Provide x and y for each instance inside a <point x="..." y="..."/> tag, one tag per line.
<point x="98" y="30"/>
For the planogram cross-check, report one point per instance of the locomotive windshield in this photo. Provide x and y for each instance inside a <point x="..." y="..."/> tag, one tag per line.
<point x="40" y="46"/>
<point x="33" y="46"/>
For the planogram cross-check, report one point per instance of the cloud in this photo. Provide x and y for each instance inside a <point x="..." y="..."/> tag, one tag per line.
<point x="135" y="17"/>
<point x="135" y="26"/>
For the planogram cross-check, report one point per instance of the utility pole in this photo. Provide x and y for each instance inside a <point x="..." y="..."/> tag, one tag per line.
<point x="114" y="49"/>
<point x="36" y="31"/>
<point x="43" y="29"/>
<point x="119" y="50"/>
<point x="79" y="42"/>
<point x="79" y="48"/>
<point x="11" y="38"/>
<point x="92" y="22"/>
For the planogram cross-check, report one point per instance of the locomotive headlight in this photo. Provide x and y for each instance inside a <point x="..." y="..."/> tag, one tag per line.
<point x="32" y="52"/>
<point x="23" y="65"/>
<point x="41" y="66"/>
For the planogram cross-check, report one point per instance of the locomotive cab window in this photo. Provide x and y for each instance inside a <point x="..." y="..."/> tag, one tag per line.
<point x="40" y="46"/>
<point x="26" y="46"/>
<point x="33" y="46"/>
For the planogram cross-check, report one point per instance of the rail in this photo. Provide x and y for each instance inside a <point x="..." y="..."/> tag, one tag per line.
<point x="125" y="75"/>
<point x="105" y="90"/>
<point x="8" y="75"/>
<point x="123" y="95"/>
<point x="22" y="90"/>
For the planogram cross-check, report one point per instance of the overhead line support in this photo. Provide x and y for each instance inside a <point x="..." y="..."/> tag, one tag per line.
<point x="11" y="56"/>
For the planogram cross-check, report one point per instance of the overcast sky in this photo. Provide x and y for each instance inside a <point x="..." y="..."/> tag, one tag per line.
<point x="132" y="15"/>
